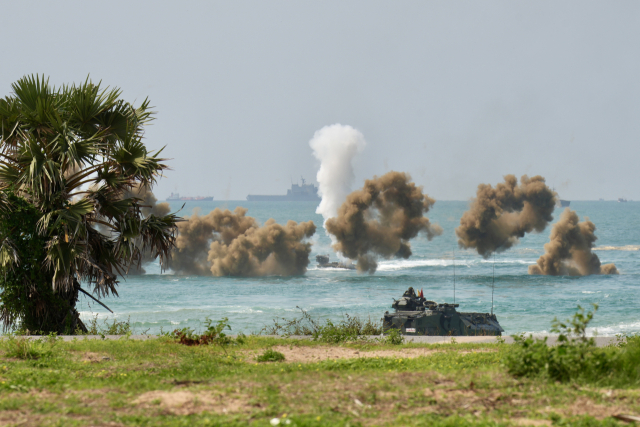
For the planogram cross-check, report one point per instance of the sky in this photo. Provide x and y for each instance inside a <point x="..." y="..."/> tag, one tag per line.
<point x="456" y="93"/>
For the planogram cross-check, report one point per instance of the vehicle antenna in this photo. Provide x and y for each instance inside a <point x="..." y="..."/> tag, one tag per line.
<point x="454" y="276"/>
<point x="493" y="285"/>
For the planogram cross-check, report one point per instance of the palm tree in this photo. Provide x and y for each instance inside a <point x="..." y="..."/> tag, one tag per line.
<point x="74" y="153"/>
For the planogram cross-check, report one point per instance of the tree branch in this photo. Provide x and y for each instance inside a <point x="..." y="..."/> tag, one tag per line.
<point x="94" y="298"/>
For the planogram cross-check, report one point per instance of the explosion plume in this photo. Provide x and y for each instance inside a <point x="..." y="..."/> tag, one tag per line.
<point x="500" y="216"/>
<point x="335" y="146"/>
<point x="569" y="249"/>
<point x="380" y="219"/>
<point x="225" y="243"/>
<point x="150" y="206"/>
<point x="149" y="201"/>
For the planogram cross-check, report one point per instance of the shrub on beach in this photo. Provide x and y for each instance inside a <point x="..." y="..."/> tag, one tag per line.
<point x="350" y="328"/>
<point x="576" y="356"/>
<point x="28" y="348"/>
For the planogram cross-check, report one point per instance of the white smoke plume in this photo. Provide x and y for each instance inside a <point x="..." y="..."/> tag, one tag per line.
<point x="335" y="146"/>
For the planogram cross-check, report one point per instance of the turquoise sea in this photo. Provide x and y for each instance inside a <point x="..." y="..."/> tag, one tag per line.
<point x="523" y="303"/>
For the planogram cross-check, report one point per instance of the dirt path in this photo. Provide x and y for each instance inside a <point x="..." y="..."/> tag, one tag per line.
<point x="302" y="354"/>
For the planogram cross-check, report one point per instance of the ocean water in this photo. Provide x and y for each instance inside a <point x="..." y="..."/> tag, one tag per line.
<point x="163" y="301"/>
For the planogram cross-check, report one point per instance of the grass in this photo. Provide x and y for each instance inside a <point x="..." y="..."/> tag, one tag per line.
<point x="26" y="348"/>
<point x="270" y="355"/>
<point x="106" y="328"/>
<point x="336" y="378"/>
<point x="163" y="383"/>
<point x="350" y="328"/>
<point x="576" y="357"/>
<point x="93" y="328"/>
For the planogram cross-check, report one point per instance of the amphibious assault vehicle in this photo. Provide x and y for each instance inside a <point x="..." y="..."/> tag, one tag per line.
<point x="414" y="315"/>
<point x="323" y="262"/>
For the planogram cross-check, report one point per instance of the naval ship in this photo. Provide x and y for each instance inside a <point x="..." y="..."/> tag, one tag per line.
<point x="176" y="198"/>
<point x="297" y="193"/>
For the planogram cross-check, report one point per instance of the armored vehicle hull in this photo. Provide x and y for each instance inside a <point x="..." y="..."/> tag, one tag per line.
<point x="323" y="262"/>
<point x="416" y="316"/>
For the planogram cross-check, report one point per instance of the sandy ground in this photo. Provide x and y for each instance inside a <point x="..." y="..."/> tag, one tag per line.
<point x="186" y="402"/>
<point x="299" y="354"/>
<point x="296" y="354"/>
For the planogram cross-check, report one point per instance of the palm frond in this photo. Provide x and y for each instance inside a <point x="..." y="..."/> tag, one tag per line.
<point x="74" y="152"/>
<point x="9" y="256"/>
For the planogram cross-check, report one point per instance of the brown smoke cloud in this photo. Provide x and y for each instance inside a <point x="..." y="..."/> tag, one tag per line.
<point x="569" y="249"/>
<point x="150" y="206"/>
<point x="500" y="216"/>
<point x="380" y="219"/>
<point x="149" y="201"/>
<point x="225" y="243"/>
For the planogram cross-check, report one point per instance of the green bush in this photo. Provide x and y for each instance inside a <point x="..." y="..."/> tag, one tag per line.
<point x="575" y="357"/>
<point x="270" y="355"/>
<point x="113" y="328"/>
<point x="213" y="334"/>
<point x="29" y="348"/>
<point x="350" y="328"/>
<point x="625" y="363"/>
<point x="394" y="336"/>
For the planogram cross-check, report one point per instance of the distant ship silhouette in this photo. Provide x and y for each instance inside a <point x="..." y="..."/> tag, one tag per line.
<point x="176" y="198"/>
<point x="297" y="193"/>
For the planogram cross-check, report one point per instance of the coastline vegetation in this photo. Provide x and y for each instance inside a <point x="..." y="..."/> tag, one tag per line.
<point x="349" y="328"/>
<point x="576" y="357"/>
<point x="266" y="380"/>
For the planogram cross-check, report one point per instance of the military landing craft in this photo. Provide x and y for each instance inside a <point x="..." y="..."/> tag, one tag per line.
<point x="323" y="262"/>
<point x="414" y="315"/>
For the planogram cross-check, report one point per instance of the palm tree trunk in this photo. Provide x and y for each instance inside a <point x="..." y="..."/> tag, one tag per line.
<point x="59" y="315"/>
<point x="74" y="317"/>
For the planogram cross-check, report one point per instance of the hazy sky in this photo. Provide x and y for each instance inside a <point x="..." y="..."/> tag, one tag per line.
<point x="455" y="93"/>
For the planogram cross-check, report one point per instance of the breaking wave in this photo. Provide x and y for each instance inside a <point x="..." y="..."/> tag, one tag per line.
<point x="395" y="265"/>
<point x="613" y="330"/>
<point x="617" y="248"/>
